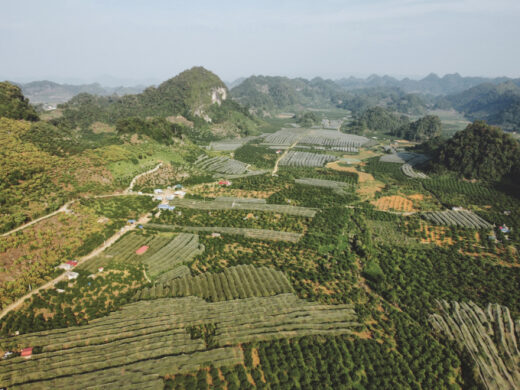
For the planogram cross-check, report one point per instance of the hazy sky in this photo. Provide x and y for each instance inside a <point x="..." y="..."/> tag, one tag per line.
<point x="145" y="41"/>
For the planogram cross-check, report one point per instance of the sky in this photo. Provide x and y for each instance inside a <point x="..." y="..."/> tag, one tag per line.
<point x="129" y="42"/>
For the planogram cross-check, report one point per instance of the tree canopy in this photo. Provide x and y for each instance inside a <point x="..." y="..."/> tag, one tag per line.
<point x="14" y="105"/>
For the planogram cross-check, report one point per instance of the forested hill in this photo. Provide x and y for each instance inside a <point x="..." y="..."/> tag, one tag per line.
<point x="496" y="104"/>
<point x="14" y="105"/>
<point x="481" y="152"/>
<point x="196" y="94"/>
<point x="268" y="93"/>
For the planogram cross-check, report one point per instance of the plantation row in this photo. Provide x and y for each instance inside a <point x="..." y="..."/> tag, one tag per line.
<point x="244" y="204"/>
<point x="410" y="172"/>
<point x="463" y="218"/>
<point x="150" y="330"/>
<point x="229" y="145"/>
<point x="221" y="164"/>
<point x="259" y="234"/>
<point x="323" y="138"/>
<point x="488" y="335"/>
<point x="243" y="281"/>
<point x="338" y="185"/>
<point x="181" y="249"/>
<point x="305" y="159"/>
<point x="401" y="157"/>
<point x="178" y="272"/>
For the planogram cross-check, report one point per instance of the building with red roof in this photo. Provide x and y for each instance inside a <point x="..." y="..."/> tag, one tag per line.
<point x="26" y="352"/>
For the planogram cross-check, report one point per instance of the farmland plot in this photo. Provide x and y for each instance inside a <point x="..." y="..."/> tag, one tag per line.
<point x="305" y="159"/>
<point x="488" y="335"/>
<point x="463" y="218"/>
<point x="249" y="204"/>
<point x="221" y="164"/>
<point x="239" y="282"/>
<point x="259" y="234"/>
<point x="151" y="338"/>
<point x="327" y="139"/>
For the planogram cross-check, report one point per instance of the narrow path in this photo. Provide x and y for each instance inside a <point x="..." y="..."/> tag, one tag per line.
<point x="15" y="305"/>
<point x="65" y="207"/>
<point x="132" y="183"/>
<point x="275" y="169"/>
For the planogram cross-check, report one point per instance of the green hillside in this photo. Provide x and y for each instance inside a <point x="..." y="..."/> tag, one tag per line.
<point x="14" y="105"/>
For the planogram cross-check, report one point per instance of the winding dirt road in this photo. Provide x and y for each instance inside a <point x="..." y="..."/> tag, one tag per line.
<point x="275" y="169"/>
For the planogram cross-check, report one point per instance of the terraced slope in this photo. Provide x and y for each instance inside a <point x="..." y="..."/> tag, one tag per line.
<point x="151" y="338"/>
<point x="243" y="281"/>
<point x="488" y="335"/>
<point x="244" y="204"/>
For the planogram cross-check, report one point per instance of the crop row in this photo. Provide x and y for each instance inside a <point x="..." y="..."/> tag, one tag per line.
<point x="316" y="138"/>
<point x="401" y="157"/>
<point x="147" y="330"/>
<point x="243" y="281"/>
<point x="324" y="183"/>
<point x="489" y="337"/>
<point x="221" y="164"/>
<point x="410" y="172"/>
<point x="221" y="204"/>
<point x="177" y="272"/>
<point x="463" y="218"/>
<point x="228" y="145"/>
<point x="259" y="234"/>
<point x="305" y="159"/>
<point x="180" y="249"/>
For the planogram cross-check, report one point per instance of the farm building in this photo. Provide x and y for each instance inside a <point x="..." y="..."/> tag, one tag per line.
<point x="159" y="198"/>
<point x="170" y="197"/>
<point x="504" y="229"/>
<point x="60" y="290"/>
<point x="180" y="194"/>
<point x="142" y="250"/>
<point x="226" y="183"/>
<point x="72" y="263"/>
<point x="131" y="221"/>
<point x="100" y="269"/>
<point x="26" y="352"/>
<point x="72" y="275"/>
<point x="65" y="266"/>
<point x="177" y="186"/>
<point x="215" y="234"/>
<point x="157" y="191"/>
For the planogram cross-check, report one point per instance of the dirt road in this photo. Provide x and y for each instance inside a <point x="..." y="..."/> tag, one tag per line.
<point x="275" y="169"/>
<point x="132" y="183"/>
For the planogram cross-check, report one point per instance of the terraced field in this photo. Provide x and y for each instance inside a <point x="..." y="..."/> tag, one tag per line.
<point x="165" y="252"/>
<point x="243" y="281"/>
<point x="463" y="218"/>
<point x="221" y="164"/>
<point x="259" y="234"/>
<point x="488" y="335"/>
<point x="131" y="348"/>
<point x="306" y="159"/>
<point x="250" y="204"/>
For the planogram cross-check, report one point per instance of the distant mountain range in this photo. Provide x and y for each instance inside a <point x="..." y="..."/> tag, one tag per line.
<point x="53" y="93"/>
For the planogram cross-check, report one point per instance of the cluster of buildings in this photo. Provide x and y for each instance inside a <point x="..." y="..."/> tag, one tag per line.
<point x="168" y="194"/>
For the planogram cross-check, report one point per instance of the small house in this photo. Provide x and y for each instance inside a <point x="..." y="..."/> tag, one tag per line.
<point x="157" y="191"/>
<point x="65" y="266"/>
<point x="278" y="151"/>
<point x="72" y="275"/>
<point x="226" y="183"/>
<point x="72" y="263"/>
<point x="170" y="197"/>
<point x="180" y="194"/>
<point x="163" y="206"/>
<point x="132" y="221"/>
<point x="26" y="352"/>
<point x="140" y="193"/>
<point x="214" y="234"/>
<point x="504" y="229"/>
<point x="140" y="226"/>
<point x="100" y="269"/>
<point x="60" y="290"/>
<point x="7" y="355"/>
<point x="178" y="186"/>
